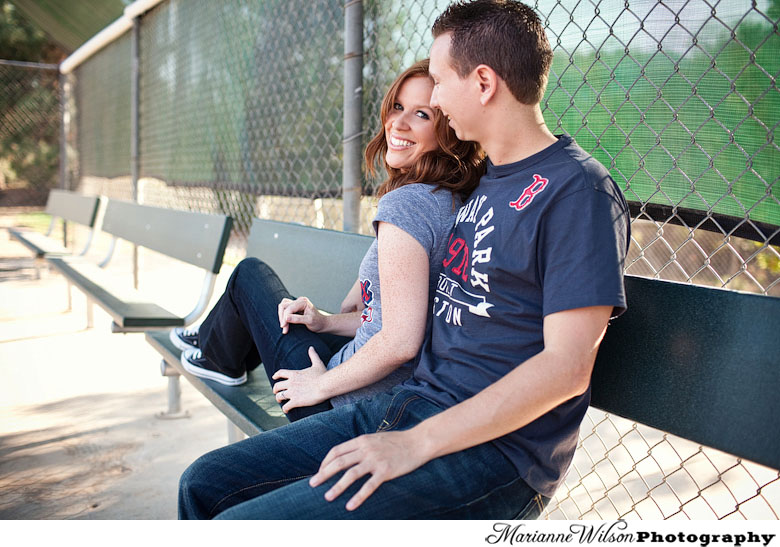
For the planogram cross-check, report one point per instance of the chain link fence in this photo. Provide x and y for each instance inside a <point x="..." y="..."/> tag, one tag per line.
<point x="29" y="133"/>
<point x="240" y="111"/>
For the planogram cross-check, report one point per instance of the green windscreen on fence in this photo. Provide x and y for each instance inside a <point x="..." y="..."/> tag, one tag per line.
<point x="243" y="96"/>
<point x="102" y="113"/>
<point x="681" y="106"/>
<point x="678" y="99"/>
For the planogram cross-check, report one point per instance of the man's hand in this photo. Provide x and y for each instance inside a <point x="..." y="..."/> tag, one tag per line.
<point x="301" y="387"/>
<point x="300" y="312"/>
<point x="384" y="456"/>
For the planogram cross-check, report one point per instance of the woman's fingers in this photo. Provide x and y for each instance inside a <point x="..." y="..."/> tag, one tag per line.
<point x="282" y="373"/>
<point x="293" y="312"/>
<point x="315" y="358"/>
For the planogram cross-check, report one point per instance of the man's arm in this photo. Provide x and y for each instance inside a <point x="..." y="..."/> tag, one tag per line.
<point x="559" y="372"/>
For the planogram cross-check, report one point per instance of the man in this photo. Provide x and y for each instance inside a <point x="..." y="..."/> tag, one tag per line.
<point x="488" y="425"/>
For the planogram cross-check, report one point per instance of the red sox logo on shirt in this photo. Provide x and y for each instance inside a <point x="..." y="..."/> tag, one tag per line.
<point x="528" y="195"/>
<point x="367" y="296"/>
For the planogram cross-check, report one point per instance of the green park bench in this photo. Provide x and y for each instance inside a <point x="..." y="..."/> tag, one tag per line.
<point x="701" y="363"/>
<point x="195" y="238"/>
<point x="67" y="207"/>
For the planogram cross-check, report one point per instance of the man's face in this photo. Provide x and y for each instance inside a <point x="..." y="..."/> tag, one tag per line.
<point x="456" y="97"/>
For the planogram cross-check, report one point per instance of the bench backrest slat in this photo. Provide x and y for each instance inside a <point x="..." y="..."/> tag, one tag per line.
<point x="196" y="238"/>
<point x="73" y="207"/>
<point x="698" y="362"/>
<point x="320" y="264"/>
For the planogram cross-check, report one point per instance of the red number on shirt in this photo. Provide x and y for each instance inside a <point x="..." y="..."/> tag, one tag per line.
<point x="454" y="250"/>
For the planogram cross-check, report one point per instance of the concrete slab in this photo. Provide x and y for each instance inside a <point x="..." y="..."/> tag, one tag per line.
<point x="78" y="434"/>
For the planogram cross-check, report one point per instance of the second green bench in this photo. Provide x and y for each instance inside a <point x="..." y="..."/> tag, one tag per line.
<point x="198" y="239"/>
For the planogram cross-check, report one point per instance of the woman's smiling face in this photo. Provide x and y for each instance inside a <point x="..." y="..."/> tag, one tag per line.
<point x="409" y="126"/>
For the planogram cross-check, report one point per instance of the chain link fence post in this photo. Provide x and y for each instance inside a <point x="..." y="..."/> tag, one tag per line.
<point x="353" y="113"/>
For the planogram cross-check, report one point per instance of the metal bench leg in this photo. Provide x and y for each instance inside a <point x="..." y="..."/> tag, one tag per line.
<point x="234" y="433"/>
<point x="174" y="411"/>
<point x="70" y="297"/>
<point x="90" y="314"/>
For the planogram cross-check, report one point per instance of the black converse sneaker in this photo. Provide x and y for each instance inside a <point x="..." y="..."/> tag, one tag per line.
<point x="193" y="362"/>
<point x="185" y="338"/>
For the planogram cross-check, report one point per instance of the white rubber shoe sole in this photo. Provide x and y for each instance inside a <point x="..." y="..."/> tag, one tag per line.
<point x="201" y="372"/>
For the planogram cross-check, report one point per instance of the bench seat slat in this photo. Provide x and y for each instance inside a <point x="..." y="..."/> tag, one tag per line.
<point x="127" y="307"/>
<point x="698" y="362"/>
<point x="38" y="243"/>
<point x="250" y="406"/>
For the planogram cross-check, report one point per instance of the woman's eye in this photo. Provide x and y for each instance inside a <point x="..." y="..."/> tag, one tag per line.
<point x="423" y="115"/>
<point x="397" y="106"/>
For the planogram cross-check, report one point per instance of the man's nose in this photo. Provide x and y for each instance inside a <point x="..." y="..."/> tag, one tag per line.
<point x="434" y="102"/>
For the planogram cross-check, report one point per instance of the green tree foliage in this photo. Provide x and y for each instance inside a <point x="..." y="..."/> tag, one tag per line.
<point x="29" y="110"/>
<point x="21" y="41"/>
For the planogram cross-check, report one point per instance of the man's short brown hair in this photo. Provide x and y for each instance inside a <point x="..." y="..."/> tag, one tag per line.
<point x="505" y="35"/>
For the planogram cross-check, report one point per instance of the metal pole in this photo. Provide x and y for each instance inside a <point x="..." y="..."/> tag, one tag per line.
<point x="63" y="135"/>
<point x="353" y="113"/>
<point x="63" y="146"/>
<point x="134" y="129"/>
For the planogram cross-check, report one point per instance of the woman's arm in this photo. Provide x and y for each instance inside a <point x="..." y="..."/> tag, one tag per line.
<point x="354" y="299"/>
<point x="403" y="278"/>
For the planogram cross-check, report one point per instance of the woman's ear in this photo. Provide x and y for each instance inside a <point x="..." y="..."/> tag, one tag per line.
<point x="487" y="81"/>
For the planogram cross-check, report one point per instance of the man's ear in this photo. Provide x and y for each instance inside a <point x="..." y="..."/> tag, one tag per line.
<point x="487" y="81"/>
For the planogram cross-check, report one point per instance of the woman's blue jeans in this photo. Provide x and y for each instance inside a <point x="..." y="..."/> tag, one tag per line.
<point x="243" y="330"/>
<point x="266" y="476"/>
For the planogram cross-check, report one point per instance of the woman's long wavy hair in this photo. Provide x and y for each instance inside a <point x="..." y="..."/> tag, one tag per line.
<point x="456" y="165"/>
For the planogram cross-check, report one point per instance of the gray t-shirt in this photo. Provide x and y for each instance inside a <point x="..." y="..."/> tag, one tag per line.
<point x="427" y="216"/>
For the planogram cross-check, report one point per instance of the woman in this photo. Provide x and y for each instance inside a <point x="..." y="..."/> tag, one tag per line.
<point x="429" y="171"/>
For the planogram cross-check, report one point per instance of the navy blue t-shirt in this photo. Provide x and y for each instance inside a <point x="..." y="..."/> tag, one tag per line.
<point x="542" y="235"/>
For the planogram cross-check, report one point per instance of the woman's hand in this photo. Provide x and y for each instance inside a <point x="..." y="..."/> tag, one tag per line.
<point x="300" y="312"/>
<point x="301" y="387"/>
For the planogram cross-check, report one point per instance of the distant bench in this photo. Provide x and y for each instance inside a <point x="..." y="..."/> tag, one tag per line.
<point x="194" y="238"/>
<point x="320" y="264"/>
<point x="68" y="207"/>
<point x="698" y="362"/>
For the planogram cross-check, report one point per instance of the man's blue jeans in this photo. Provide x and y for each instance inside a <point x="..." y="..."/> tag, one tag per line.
<point x="266" y="476"/>
<point x="243" y="329"/>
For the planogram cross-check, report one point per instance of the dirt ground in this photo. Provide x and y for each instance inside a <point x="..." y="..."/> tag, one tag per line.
<point x="78" y="434"/>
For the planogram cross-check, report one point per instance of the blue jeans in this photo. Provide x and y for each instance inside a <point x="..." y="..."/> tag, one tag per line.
<point x="243" y="330"/>
<point x="266" y="476"/>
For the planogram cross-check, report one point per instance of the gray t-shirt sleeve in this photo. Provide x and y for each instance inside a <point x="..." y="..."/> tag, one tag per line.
<point x="419" y="211"/>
